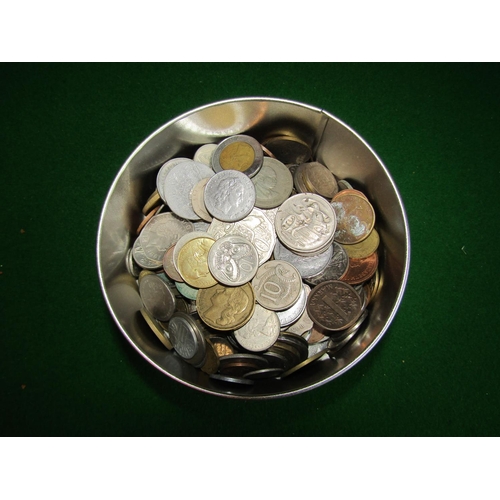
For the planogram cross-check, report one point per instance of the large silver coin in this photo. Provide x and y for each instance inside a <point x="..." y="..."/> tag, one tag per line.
<point x="273" y="184"/>
<point x="179" y="183"/>
<point x="305" y="223"/>
<point x="255" y="227"/>
<point x="241" y="153"/>
<point x="229" y="196"/>
<point x="158" y="235"/>
<point x="277" y="285"/>
<point x="163" y="172"/>
<point x="261" y="332"/>
<point x="157" y="297"/>
<point x="336" y="268"/>
<point x="307" y="266"/>
<point x="187" y="338"/>
<point x="233" y="260"/>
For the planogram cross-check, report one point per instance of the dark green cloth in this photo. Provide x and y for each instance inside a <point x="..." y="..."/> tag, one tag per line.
<point x="65" y="368"/>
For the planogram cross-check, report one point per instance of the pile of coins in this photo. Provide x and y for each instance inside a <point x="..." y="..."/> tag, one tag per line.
<point x="253" y="260"/>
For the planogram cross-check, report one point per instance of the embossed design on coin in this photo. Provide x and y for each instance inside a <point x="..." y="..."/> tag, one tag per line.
<point x="193" y="263"/>
<point x="226" y="308"/>
<point x="233" y="260"/>
<point x="261" y="332"/>
<point x="273" y="184"/>
<point x="163" y="172"/>
<point x="334" y="305"/>
<point x="255" y="227"/>
<point x="187" y="339"/>
<point x="277" y="285"/>
<point x="355" y="217"/>
<point x="229" y="196"/>
<point x="292" y="314"/>
<point x="336" y="268"/>
<point x="305" y="222"/>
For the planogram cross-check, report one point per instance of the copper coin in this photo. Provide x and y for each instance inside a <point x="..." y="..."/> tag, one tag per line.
<point x="334" y="305"/>
<point x="361" y="270"/>
<point x="148" y="218"/>
<point x="351" y="190"/>
<point x="168" y="265"/>
<point x="355" y="217"/>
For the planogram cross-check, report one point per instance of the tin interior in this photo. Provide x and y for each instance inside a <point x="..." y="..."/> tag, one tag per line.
<point x="334" y="144"/>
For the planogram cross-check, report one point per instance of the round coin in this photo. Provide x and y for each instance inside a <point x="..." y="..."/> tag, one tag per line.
<point x="229" y="196"/>
<point x="364" y="248"/>
<point x="157" y="329"/>
<point x="157" y="297"/>
<point x="233" y="260"/>
<point x="192" y="263"/>
<point x="198" y="200"/>
<point x="255" y="227"/>
<point x="335" y="269"/>
<point x="288" y="149"/>
<point x="238" y="152"/>
<point x="187" y="338"/>
<point x="292" y="314"/>
<point x="334" y="305"/>
<point x="260" y="332"/>
<point x="226" y="308"/>
<point x="179" y="183"/>
<point x="273" y="184"/>
<point x="162" y="174"/>
<point x="361" y="270"/>
<point x="277" y="285"/>
<point x="204" y="154"/>
<point x="305" y="222"/>
<point x="321" y="179"/>
<point x="355" y="217"/>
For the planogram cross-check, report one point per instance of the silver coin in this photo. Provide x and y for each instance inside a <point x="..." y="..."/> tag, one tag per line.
<point x="292" y="314"/>
<point x="307" y="266"/>
<point x="343" y="184"/>
<point x="187" y="338"/>
<point x="179" y="183"/>
<point x="162" y="174"/>
<point x="157" y="236"/>
<point x="233" y="260"/>
<point x="336" y="268"/>
<point x="229" y="196"/>
<point x="277" y="285"/>
<point x="261" y="332"/>
<point x="132" y="267"/>
<point x="204" y="154"/>
<point x="201" y="225"/>
<point x="255" y="227"/>
<point x="273" y="184"/>
<point x="305" y="223"/>
<point x="157" y="297"/>
<point x="303" y="325"/>
<point x="246" y="156"/>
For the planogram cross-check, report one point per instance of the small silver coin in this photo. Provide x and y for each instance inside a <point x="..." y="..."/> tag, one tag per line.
<point x="261" y="332"/>
<point x="335" y="269"/>
<point x="179" y="183"/>
<point x="187" y="338"/>
<point x="233" y="260"/>
<point x="240" y="153"/>
<point x="204" y="154"/>
<point x="157" y="297"/>
<point x="292" y="314"/>
<point x="308" y="266"/>
<point x="273" y="184"/>
<point x="255" y="227"/>
<point x="229" y="196"/>
<point x="277" y="285"/>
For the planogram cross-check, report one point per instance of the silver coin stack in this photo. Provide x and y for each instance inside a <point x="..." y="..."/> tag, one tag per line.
<point x="233" y="217"/>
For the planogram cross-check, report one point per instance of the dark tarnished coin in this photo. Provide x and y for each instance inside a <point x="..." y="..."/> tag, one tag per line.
<point x="296" y="341"/>
<point x="264" y="373"/>
<point x="236" y="365"/>
<point x="361" y="270"/>
<point x="231" y="380"/>
<point x="334" y="305"/>
<point x="211" y="364"/>
<point x="306" y="362"/>
<point x="277" y="359"/>
<point x="158" y="330"/>
<point x="157" y="297"/>
<point x="288" y="149"/>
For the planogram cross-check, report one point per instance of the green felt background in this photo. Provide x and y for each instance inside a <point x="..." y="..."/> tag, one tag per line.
<point x="66" y="370"/>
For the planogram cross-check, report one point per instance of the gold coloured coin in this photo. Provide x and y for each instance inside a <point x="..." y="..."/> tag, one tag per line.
<point x="363" y="248"/>
<point x="153" y="201"/>
<point x="321" y="179"/>
<point x="211" y="364"/>
<point x="225" y="307"/>
<point x="193" y="263"/>
<point x="237" y="156"/>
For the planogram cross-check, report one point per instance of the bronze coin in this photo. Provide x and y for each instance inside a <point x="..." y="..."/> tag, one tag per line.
<point x="321" y="179"/>
<point x="361" y="270"/>
<point x="147" y="218"/>
<point x="153" y="201"/>
<point x="334" y="305"/>
<point x="355" y="217"/>
<point x="288" y="149"/>
<point x="168" y="265"/>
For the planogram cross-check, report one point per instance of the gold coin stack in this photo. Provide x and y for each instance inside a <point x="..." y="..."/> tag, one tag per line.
<point x="218" y="310"/>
